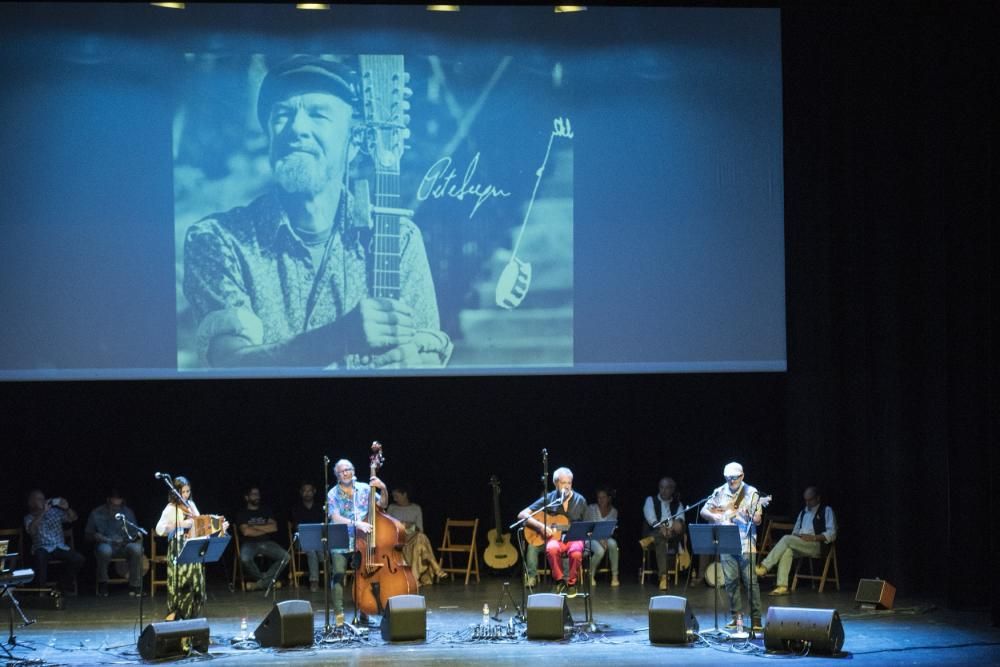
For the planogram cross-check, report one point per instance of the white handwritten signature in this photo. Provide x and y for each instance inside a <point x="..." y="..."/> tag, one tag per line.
<point x="438" y="182"/>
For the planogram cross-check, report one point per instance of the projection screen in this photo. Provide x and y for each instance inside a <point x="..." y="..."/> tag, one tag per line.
<point x="257" y="191"/>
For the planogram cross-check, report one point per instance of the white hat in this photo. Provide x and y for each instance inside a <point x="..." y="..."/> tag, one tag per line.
<point x="732" y="469"/>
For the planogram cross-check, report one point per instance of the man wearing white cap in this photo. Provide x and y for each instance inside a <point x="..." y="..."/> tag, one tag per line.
<point x="736" y="503"/>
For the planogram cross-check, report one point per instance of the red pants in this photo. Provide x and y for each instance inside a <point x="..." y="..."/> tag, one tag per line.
<point x="555" y="550"/>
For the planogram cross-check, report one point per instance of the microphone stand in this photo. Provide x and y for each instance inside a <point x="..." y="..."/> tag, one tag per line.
<point x="753" y="563"/>
<point x="678" y="514"/>
<point x="327" y="629"/>
<point x="132" y="538"/>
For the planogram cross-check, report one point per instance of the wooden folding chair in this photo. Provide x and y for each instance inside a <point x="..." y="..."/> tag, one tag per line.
<point x="828" y="555"/>
<point x="773" y="532"/>
<point x="450" y="547"/>
<point x="298" y="566"/>
<point x="112" y="570"/>
<point x="157" y="558"/>
<point x="24" y="548"/>
<point x="648" y="565"/>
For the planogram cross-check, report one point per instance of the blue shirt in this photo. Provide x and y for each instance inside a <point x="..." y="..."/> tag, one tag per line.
<point x="102" y="521"/>
<point x="50" y="530"/>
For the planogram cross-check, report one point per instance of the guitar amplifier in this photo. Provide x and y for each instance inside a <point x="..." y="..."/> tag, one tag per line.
<point x="875" y="594"/>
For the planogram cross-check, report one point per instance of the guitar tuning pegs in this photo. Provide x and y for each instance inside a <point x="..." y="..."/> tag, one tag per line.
<point x="406" y="133"/>
<point x="406" y="119"/>
<point x="406" y="77"/>
<point x="406" y="105"/>
<point x="407" y="93"/>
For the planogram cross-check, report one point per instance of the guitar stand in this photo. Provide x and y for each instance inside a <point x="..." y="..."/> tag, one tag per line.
<point x="501" y="606"/>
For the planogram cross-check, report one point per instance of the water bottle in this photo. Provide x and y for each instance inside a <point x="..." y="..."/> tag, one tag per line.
<point x="739" y="624"/>
<point x="486" y="614"/>
<point x="243" y="628"/>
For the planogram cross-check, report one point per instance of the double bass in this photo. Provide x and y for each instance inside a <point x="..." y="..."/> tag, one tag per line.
<point x="382" y="571"/>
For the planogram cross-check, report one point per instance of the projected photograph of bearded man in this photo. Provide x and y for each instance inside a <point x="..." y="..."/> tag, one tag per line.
<point x="318" y="258"/>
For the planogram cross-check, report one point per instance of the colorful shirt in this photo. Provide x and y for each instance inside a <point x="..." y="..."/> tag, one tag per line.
<point x="353" y="507"/>
<point x="248" y="273"/>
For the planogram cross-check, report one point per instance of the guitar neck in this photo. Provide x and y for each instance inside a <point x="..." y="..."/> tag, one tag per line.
<point x="496" y="514"/>
<point x="383" y="95"/>
<point x="385" y="240"/>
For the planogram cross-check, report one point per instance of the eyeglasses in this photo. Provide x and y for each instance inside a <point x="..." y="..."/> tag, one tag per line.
<point x="733" y="478"/>
<point x="343" y="470"/>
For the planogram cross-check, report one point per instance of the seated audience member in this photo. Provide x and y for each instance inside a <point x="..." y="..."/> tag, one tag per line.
<point x="44" y="523"/>
<point x="257" y="526"/>
<point x="815" y="526"/>
<point x="418" y="550"/>
<point x="667" y="535"/>
<point x="308" y="510"/>
<point x="112" y="538"/>
<point x="603" y="510"/>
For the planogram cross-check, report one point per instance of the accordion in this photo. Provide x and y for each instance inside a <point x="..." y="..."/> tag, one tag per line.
<point x="206" y="525"/>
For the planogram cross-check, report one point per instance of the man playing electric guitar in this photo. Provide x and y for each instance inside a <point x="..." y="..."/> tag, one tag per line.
<point x="737" y="503"/>
<point x="545" y="520"/>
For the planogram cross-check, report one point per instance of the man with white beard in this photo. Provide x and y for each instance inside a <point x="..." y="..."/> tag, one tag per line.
<point x="284" y="281"/>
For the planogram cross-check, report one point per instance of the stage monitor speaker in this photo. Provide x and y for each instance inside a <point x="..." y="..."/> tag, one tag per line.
<point x="789" y="628"/>
<point x="548" y="616"/>
<point x="875" y="594"/>
<point x="171" y="639"/>
<point x="671" y="620"/>
<point x="289" y="623"/>
<point x="405" y="619"/>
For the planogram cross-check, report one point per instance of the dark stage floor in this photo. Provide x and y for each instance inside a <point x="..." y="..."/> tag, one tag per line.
<point x="93" y="631"/>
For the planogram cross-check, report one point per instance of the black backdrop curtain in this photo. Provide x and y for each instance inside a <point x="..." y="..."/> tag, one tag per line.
<point x="887" y="404"/>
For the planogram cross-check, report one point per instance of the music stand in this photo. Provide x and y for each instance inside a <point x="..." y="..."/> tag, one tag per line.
<point x="586" y="531"/>
<point x="311" y="536"/>
<point x="202" y="550"/>
<point x="711" y="538"/>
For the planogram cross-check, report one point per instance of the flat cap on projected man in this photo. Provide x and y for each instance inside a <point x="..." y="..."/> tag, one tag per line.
<point x="301" y="74"/>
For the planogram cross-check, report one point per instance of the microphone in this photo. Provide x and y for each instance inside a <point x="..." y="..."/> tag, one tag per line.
<point x="121" y="517"/>
<point x="326" y="460"/>
<point x="161" y="475"/>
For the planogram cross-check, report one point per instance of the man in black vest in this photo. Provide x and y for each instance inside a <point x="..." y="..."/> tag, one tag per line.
<point x="815" y="526"/>
<point x="667" y="534"/>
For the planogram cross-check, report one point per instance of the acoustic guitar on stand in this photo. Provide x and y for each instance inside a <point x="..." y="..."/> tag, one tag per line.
<point x="500" y="554"/>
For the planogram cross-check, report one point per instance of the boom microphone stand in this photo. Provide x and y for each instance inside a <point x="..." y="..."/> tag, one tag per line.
<point x="132" y="538"/>
<point x="545" y="527"/>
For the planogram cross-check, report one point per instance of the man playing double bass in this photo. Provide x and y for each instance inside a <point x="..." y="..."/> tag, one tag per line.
<point x="562" y="505"/>
<point x="348" y="504"/>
